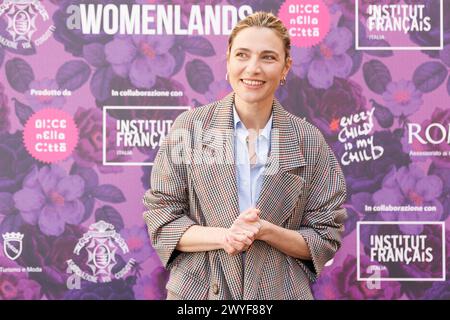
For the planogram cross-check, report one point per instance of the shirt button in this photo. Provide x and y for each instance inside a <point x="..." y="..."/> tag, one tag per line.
<point x="215" y="288"/>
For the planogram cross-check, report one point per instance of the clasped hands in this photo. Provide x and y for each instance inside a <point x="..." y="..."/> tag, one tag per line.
<point x="244" y="230"/>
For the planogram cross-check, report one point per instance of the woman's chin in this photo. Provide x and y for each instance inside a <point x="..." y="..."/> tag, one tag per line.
<point x="252" y="97"/>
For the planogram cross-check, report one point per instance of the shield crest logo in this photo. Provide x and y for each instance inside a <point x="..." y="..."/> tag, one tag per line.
<point x="12" y="244"/>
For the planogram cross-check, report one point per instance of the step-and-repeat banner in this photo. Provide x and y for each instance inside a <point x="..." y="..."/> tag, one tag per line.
<point x="89" y="89"/>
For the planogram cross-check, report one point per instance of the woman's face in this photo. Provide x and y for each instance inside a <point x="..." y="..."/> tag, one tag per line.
<point x="256" y="64"/>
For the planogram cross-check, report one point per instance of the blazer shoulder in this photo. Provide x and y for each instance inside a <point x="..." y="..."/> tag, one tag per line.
<point x="304" y="128"/>
<point x="203" y="113"/>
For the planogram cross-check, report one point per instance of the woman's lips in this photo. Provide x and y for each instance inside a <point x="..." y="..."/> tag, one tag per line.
<point x="252" y="84"/>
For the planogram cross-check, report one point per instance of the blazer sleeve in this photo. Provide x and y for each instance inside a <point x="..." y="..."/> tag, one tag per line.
<point x="323" y="218"/>
<point x="167" y="200"/>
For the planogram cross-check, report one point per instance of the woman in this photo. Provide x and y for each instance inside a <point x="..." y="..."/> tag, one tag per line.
<point x="262" y="225"/>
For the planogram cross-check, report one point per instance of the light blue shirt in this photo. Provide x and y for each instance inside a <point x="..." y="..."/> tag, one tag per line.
<point x="249" y="180"/>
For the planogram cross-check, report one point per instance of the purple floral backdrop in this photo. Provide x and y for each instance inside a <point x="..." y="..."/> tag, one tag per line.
<point x="54" y="205"/>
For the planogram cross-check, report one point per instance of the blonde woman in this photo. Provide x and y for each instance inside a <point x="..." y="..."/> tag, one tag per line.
<point x="263" y="225"/>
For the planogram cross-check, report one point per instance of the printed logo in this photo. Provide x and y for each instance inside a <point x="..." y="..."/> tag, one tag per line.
<point x="389" y="26"/>
<point x="357" y="138"/>
<point x="12" y="244"/>
<point x="132" y="135"/>
<point x="389" y="250"/>
<point x="50" y="135"/>
<point x="430" y="139"/>
<point x="21" y="17"/>
<point x="100" y="242"/>
<point x="307" y="22"/>
<point x="433" y="133"/>
<point x="151" y="19"/>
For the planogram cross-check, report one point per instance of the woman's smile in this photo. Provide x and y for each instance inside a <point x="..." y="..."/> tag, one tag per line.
<point x="252" y="84"/>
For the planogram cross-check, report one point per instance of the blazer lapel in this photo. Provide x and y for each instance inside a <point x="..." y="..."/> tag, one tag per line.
<point x="217" y="184"/>
<point x="280" y="188"/>
<point x="217" y="181"/>
<point x="279" y="192"/>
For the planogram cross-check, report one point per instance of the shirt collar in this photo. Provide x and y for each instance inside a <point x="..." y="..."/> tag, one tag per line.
<point x="239" y="124"/>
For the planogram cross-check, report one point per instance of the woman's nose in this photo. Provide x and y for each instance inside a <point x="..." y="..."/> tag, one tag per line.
<point x="253" y="66"/>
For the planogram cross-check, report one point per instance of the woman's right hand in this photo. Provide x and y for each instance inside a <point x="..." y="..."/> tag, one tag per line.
<point x="240" y="236"/>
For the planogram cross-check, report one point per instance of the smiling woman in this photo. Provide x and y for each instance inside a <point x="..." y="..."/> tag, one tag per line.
<point x="263" y="226"/>
<point x="258" y="61"/>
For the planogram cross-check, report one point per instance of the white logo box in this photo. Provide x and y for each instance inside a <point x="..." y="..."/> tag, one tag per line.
<point x="358" y="267"/>
<point x="105" y="108"/>
<point x="441" y="43"/>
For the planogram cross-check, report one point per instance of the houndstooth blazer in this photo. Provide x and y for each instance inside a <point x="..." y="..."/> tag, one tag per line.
<point x="304" y="192"/>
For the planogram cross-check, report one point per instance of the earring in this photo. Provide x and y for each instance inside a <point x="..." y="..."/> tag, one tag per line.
<point x="226" y="76"/>
<point x="283" y="81"/>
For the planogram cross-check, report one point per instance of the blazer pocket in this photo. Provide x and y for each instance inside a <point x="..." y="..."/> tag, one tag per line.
<point x="186" y="285"/>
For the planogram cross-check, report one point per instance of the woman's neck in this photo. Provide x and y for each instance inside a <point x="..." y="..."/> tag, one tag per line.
<point x="254" y="115"/>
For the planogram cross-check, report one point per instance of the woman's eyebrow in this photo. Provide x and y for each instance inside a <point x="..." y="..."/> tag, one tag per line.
<point x="262" y="52"/>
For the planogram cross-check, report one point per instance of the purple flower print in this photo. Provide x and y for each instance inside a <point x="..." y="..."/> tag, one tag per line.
<point x="152" y="287"/>
<point x="4" y="110"/>
<point x="341" y="283"/>
<point x="410" y="186"/>
<point x="402" y="98"/>
<point x="441" y="116"/>
<point x="89" y="149"/>
<point x="217" y="90"/>
<point x="16" y="285"/>
<point x="324" y="108"/>
<point x="73" y="39"/>
<point x="141" y="58"/>
<point x="51" y="254"/>
<point x="343" y="98"/>
<point x="38" y="102"/>
<point x="15" y="162"/>
<point x="442" y="172"/>
<point x="432" y="38"/>
<point x="138" y="243"/>
<point x="439" y="291"/>
<point x="325" y="61"/>
<point x="50" y="199"/>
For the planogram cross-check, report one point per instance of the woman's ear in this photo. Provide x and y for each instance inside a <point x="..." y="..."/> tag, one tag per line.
<point x="287" y="67"/>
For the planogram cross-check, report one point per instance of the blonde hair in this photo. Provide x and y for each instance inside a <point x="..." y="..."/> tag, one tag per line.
<point x="263" y="20"/>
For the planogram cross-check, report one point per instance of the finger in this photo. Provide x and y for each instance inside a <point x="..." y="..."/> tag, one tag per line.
<point x="251" y="216"/>
<point x="252" y="229"/>
<point x="246" y="211"/>
<point x="229" y="248"/>
<point x="247" y="225"/>
<point x="250" y="234"/>
<point x="237" y="245"/>
<point x="243" y="239"/>
<point x="245" y="236"/>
